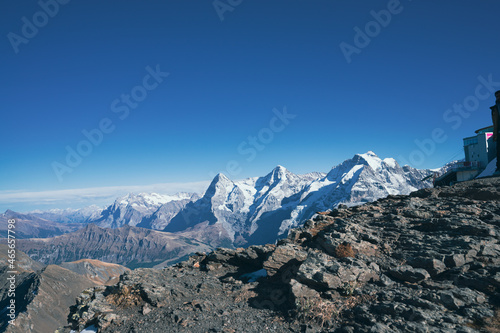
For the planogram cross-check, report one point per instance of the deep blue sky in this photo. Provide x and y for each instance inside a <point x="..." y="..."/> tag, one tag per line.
<point x="225" y="79"/>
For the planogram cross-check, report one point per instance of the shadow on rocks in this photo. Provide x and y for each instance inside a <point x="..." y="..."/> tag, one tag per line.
<point x="273" y="293"/>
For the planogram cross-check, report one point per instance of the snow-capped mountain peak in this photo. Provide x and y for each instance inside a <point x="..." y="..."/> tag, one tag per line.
<point x="361" y="179"/>
<point x="280" y="170"/>
<point x="277" y="175"/>
<point x="370" y="159"/>
<point x="147" y="199"/>
<point x="132" y="208"/>
<point x="273" y="179"/>
<point x="219" y="184"/>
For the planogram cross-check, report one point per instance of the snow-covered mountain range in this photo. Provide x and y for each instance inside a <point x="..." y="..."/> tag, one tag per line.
<point x="133" y="208"/>
<point x="257" y="210"/>
<point x="245" y="207"/>
<point x="260" y="210"/>
<point x="68" y="215"/>
<point x="364" y="178"/>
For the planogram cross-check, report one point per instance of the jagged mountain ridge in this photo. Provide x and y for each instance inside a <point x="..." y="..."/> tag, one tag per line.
<point x="362" y="179"/>
<point x="128" y="246"/>
<point x="164" y="214"/>
<point x="132" y="209"/>
<point x="260" y="210"/>
<point x="240" y="206"/>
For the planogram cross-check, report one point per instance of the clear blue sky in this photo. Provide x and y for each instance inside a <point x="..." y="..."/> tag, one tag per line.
<point x="225" y="78"/>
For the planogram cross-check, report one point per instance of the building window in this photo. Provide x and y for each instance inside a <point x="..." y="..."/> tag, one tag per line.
<point x="470" y="141"/>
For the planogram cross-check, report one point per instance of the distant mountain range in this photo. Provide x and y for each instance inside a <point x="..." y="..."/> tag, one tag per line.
<point x="129" y="246"/>
<point x="68" y="215"/>
<point x="32" y="226"/>
<point x="251" y="211"/>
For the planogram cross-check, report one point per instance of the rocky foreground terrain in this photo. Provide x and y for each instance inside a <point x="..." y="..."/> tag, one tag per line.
<point x="427" y="262"/>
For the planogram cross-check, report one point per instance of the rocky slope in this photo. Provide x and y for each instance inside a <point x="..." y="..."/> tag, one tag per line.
<point x="128" y="246"/>
<point x="43" y="294"/>
<point x="427" y="262"/>
<point x="25" y="280"/>
<point x="99" y="272"/>
<point x="48" y="293"/>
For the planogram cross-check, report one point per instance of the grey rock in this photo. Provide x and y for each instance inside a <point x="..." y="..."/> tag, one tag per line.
<point x="380" y="328"/>
<point x="431" y="265"/>
<point x="491" y="250"/>
<point x="455" y="260"/>
<point x="287" y="254"/>
<point x="409" y="274"/>
<point x="448" y="299"/>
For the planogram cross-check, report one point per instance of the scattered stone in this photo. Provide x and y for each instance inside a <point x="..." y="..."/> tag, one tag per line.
<point x="455" y="260"/>
<point x="409" y="274"/>
<point x="287" y="254"/>
<point x="146" y="309"/>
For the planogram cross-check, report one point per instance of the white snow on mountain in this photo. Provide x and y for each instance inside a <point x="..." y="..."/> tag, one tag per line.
<point x="390" y="162"/>
<point x="372" y="160"/>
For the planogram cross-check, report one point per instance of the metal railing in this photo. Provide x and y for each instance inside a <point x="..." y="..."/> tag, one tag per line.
<point x="466" y="165"/>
